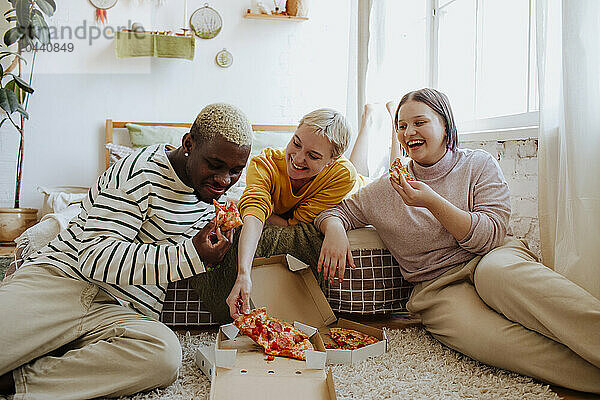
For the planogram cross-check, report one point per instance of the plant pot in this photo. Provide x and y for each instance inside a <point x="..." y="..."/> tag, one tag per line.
<point x="14" y="221"/>
<point x="298" y="8"/>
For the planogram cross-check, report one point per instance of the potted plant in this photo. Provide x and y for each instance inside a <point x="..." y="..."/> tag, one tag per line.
<point x="30" y="32"/>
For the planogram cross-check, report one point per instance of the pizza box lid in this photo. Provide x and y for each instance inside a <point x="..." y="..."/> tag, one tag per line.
<point x="239" y="369"/>
<point x="289" y="290"/>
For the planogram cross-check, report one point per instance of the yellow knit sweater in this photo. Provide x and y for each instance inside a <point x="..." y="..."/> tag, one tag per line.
<point x="269" y="190"/>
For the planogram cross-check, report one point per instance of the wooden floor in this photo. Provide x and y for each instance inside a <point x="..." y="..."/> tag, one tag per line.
<point x="399" y="321"/>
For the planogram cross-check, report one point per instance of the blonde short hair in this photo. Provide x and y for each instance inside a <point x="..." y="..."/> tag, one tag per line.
<point x="225" y="120"/>
<point x="331" y="124"/>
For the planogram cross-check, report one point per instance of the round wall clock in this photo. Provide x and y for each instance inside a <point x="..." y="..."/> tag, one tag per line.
<point x="224" y="59"/>
<point x="206" y="22"/>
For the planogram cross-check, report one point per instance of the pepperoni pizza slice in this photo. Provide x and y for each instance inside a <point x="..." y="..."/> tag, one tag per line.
<point x="277" y="337"/>
<point x="253" y="325"/>
<point x="397" y="168"/>
<point x="286" y="340"/>
<point x="350" y="339"/>
<point x="228" y="216"/>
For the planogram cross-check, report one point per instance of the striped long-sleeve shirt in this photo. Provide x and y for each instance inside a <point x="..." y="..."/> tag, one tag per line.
<point x="134" y="233"/>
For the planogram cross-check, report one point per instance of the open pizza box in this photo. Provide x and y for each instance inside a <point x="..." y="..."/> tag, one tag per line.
<point x="289" y="290"/>
<point x="239" y="368"/>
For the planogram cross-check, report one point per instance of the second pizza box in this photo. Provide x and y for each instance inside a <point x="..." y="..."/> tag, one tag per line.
<point x="289" y="290"/>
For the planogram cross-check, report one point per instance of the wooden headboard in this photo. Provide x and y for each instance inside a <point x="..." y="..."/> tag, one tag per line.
<point x="112" y="125"/>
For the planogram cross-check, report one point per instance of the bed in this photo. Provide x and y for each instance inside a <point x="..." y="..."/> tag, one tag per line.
<point x="374" y="287"/>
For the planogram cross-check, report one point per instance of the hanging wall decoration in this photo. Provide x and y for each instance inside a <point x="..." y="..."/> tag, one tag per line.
<point x="224" y="59"/>
<point x="101" y="7"/>
<point x="206" y="22"/>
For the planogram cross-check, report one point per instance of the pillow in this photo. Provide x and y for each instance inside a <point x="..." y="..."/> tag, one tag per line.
<point x="117" y="151"/>
<point x="142" y="136"/>
<point x="260" y="141"/>
<point x="263" y="139"/>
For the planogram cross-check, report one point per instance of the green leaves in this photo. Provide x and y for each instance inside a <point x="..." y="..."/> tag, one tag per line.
<point x="9" y="101"/>
<point x="22" y="8"/>
<point x="22" y="84"/>
<point x="13" y="53"/>
<point x="12" y="35"/>
<point x="31" y="23"/>
<point x="40" y="28"/>
<point x="48" y="7"/>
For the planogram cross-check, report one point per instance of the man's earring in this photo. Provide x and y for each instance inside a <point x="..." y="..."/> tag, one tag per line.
<point x="186" y="154"/>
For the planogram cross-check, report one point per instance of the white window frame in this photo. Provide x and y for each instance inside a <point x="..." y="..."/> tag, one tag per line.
<point x="508" y="127"/>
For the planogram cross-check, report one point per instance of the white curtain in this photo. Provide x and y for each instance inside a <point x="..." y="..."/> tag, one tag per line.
<point x="568" y="56"/>
<point x="390" y="32"/>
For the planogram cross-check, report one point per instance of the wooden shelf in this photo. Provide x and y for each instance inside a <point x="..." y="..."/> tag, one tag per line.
<point x="275" y="17"/>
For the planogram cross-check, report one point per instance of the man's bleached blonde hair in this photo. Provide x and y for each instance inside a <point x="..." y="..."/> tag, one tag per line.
<point x="225" y="120"/>
<point x="331" y="124"/>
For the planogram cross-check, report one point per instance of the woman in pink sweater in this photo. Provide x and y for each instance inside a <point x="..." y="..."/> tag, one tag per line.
<point x="476" y="290"/>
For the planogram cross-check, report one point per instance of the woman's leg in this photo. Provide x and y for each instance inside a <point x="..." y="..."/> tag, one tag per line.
<point x="374" y="126"/>
<point x="395" y="150"/>
<point x="453" y="312"/>
<point x="511" y="281"/>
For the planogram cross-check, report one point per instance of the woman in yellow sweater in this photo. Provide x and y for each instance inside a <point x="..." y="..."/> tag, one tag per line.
<point x="292" y="185"/>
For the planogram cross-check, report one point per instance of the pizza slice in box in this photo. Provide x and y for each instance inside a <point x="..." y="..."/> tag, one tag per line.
<point x="228" y="216"/>
<point x="397" y="168"/>
<point x="253" y="325"/>
<point x="277" y="337"/>
<point x="349" y="339"/>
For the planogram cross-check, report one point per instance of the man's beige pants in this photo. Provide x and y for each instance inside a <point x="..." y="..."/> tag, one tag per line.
<point x="508" y="310"/>
<point x="66" y="339"/>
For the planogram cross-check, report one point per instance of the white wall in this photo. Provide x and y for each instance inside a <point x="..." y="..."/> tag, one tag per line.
<point x="281" y="70"/>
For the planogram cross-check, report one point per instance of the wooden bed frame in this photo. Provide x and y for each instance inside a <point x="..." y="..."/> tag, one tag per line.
<point x="112" y="125"/>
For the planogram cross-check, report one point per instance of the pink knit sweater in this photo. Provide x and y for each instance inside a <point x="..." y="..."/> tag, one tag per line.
<point x="469" y="179"/>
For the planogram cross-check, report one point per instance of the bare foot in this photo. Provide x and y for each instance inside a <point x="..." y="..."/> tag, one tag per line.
<point x="392" y="106"/>
<point x="372" y="142"/>
<point x="369" y="116"/>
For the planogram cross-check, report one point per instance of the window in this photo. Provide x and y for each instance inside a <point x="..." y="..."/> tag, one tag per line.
<point x="481" y="53"/>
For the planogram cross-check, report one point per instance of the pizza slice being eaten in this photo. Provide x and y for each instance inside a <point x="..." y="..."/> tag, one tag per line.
<point x="397" y="168"/>
<point x="349" y="339"/>
<point x="277" y="337"/>
<point x="228" y="216"/>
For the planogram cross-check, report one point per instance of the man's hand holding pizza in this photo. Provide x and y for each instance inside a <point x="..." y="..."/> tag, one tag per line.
<point x="212" y="244"/>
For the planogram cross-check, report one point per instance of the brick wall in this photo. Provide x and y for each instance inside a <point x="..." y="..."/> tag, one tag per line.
<point x="518" y="160"/>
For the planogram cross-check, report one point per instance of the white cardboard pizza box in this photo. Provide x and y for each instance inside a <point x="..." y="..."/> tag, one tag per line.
<point x="341" y="356"/>
<point x="239" y="368"/>
<point x="289" y="290"/>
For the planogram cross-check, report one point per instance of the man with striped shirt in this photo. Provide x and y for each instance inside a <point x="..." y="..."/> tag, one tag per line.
<point x="80" y="317"/>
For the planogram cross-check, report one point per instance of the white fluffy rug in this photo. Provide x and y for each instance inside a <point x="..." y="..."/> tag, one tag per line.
<point x="416" y="366"/>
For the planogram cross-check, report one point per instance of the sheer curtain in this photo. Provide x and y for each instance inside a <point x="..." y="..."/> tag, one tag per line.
<point x="392" y="59"/>
<point x="568" y="55"/>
